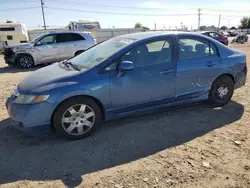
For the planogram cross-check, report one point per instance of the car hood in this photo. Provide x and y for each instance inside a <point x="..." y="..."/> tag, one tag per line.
<point x="21" y="46"/>
<point x="46" y="79"/>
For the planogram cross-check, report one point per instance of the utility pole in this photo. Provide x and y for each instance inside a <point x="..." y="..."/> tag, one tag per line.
<point x="199" y="18"/>
<point x="219" y="22"/>
<point x="42" y="6"/>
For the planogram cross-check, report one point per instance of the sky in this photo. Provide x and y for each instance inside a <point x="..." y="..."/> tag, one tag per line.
<point x="164" y="14"/>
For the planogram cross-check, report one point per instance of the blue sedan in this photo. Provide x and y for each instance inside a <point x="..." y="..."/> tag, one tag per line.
<point x="125" y="75"/>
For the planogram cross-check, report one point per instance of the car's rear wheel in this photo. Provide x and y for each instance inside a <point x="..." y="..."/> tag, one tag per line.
<point x="25" y="61"/>
<point x="221" y="91"/>
<point x="77" y="118"/>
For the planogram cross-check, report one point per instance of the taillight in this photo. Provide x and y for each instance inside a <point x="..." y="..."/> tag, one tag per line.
<point x="245" y="64"/>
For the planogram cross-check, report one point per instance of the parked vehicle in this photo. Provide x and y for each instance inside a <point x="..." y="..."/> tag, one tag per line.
<point x="240" y="38"/>
<point x="12" y="32"/>
<point x="233" y="33"/>
<point x="217" y="36"/>
<point x="225" y="33"/>
<point x="125" y="75"/>
<point x="49" y="48"/>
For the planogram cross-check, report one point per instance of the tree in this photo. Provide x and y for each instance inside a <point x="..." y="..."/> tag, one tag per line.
<point x="233" y="28"/>
<point x="138" y="25"/>
<point x="244" y="22"/>
<point x="223" y="27"/>
<point x="248" y="23"/>
<point x="203" y="28"/>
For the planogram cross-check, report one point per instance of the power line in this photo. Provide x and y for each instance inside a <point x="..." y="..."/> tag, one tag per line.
<point x="138" y="8"/>
<point x="12" y="2"/>
<point x="23" y="8"/>
<point x="113" y="6"/>
<point x="117" y="13"/>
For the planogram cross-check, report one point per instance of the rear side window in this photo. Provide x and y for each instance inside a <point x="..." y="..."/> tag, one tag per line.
<point x="213" y="49"/>
<point x="193" y="48"/>
<point x="68" y="37"/>
<point x="76" y="37"/>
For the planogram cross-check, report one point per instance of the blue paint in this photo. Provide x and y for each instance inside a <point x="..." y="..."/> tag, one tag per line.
<point x="141" y="89"/>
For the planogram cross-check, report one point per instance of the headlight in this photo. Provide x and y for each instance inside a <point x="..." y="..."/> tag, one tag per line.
<point x="30" y="99"/>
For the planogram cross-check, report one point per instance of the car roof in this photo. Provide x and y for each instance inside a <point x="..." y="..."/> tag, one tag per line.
<point x="152" y="34"/>
<point x="62" y="32"/>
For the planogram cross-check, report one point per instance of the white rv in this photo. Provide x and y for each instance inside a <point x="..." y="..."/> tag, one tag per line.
<point x="12" y="32"/>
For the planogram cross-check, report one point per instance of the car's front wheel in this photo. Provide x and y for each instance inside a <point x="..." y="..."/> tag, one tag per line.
<point x="77" y="118"/>
<point x="25" y="61"/>
<point x="221" y="91"/>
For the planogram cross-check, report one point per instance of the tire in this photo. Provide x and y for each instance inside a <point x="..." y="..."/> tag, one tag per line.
<point x="79" y="52"/>
<point x="67" y="123"/>
<point x="25" y="61"/>
<point x="221" y="91"/>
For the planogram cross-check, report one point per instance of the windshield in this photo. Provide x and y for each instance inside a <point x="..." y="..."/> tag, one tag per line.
<point x="99" y="53"/>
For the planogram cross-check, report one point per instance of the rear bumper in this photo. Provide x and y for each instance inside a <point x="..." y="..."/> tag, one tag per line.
<point x="241" y="79"/>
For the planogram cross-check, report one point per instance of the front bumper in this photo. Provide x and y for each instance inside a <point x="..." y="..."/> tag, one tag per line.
<point x="9" y="56"/>
<point x="33" y="119"/>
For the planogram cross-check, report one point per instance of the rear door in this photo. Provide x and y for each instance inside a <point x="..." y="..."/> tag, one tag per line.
<point x="197" y="67"/>
<point x="46" y="49"/>
<point x="68" y="44"/>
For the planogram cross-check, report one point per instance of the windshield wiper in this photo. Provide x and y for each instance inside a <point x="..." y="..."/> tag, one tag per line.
<point x="67" y="63"/>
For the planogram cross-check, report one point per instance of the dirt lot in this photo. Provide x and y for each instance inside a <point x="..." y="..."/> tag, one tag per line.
<point x="185" y="147"/>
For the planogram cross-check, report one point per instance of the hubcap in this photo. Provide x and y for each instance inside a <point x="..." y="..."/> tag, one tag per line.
<point x="78" y="119"/>
<point x="26" y="61"/>
<point x="222" y="91"/>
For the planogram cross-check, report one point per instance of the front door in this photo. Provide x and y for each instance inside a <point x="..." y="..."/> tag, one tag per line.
<point x="151" y="83"/>
<point x="197" y="67"/>
<point x="46" y="50"/>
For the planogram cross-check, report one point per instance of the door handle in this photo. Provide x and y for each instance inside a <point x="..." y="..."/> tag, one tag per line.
<point x="210" y="64"/>
<point x="166" y="71"/>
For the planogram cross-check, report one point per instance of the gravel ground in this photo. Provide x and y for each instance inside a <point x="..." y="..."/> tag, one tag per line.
<point x="193" y="146"/>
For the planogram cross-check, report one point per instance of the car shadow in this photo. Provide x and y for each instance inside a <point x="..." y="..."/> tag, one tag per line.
<point x="16" y="69"/>
<point x="114" y="143"/>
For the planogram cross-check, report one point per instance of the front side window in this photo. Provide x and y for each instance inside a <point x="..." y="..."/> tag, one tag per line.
<point x="150" y="53"/>
<point x="49" y="39"/>
<point x="193" y="48"/>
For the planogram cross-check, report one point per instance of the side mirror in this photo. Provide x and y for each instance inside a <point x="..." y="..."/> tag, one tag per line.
<point x="126" y="66"/>
<point x="38" y="43"/>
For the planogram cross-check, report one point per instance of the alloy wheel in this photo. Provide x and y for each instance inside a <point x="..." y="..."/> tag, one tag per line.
<point x="78" y="119"/>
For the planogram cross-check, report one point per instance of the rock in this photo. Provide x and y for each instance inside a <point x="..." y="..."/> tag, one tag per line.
<point x="145" y="179"/>
<point x="118" y="186"/>
<point x="237" y="142"/>
<point x="156" y="180"/>
<point x="247" y="167"/>
<point x="206" y="164"/>
<point x="111" y="181"/>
